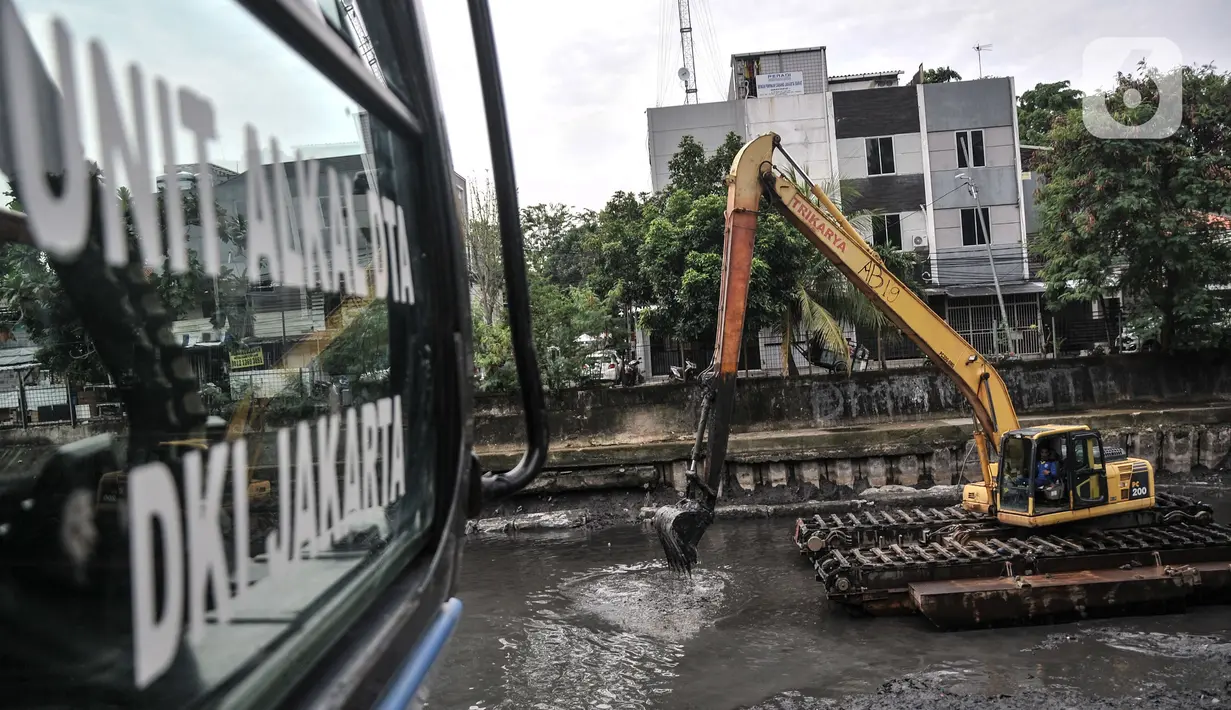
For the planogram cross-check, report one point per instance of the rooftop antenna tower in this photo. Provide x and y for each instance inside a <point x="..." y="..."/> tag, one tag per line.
<point x="980" y="49"/>
<point x="362" y="38"/>
<point x="688" y="72"/>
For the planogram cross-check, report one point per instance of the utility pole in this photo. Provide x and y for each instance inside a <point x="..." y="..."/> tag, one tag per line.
<point x="980" y="49"/>
<point x="982" y="225"/>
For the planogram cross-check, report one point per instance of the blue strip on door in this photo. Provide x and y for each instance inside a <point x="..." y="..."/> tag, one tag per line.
<point x="410" y="677"/>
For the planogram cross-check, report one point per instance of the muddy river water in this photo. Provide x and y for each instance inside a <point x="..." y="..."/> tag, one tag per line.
<point x="594" y="620"/>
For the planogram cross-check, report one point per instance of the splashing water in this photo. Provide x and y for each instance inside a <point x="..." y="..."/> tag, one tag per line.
<point x="614" y="639"/>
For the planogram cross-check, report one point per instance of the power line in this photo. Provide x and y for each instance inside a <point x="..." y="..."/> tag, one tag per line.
<point x="663" y="48"/>
<point x="709" y="38"/>
<point x="688" y="72"/>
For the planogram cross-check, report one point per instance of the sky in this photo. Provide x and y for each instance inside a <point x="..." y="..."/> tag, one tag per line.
<point x="579" y="76"/>
<point x="213" y="48"/>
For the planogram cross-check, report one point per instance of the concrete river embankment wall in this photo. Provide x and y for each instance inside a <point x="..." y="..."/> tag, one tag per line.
<point x="826" y="437"/>
<point x="821" y="435"/>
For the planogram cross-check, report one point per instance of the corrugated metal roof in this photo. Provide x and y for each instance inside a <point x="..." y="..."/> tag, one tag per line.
<point x="25" y="356"/>
<point x="772" y="52"/>
<point x="865" y="75"/>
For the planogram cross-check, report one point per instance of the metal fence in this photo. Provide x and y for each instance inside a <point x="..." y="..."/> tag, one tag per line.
<point x="666" y="353"/>
<point x="809" y="355"/>
<point x="978" y="320"/>
<point x="24" y="406"/>
<point x="266" y="384"/>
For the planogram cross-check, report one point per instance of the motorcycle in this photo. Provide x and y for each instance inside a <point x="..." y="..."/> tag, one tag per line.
<point x="687" y="373"/>
<point x="631" y="374"/>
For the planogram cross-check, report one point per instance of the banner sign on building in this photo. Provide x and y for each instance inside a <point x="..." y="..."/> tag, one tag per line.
<point x="788" y="83"/>
<point x="254" y="357"/>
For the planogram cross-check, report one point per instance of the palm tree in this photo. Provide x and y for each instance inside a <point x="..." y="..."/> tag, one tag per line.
<point x="826" y="301"/>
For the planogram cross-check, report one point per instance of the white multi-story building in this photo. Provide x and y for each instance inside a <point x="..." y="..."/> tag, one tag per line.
<point x="894" y="151"/>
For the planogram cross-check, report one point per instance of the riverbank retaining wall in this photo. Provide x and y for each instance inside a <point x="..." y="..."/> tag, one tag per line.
<point x="835" y="463"/>
<point x="825" y="437"/>
<point x="659" y="412"/>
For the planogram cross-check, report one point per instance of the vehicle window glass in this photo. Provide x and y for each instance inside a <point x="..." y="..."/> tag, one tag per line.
<point x="1091" y="451"/>
<point x="373" y="39"/>
<point x="1016" y="478"/>
<point x="217" y="316"/>
<point x="1081" y="453"/>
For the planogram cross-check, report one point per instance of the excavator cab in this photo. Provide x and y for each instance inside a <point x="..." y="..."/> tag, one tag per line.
<point x="1080" y="483"/>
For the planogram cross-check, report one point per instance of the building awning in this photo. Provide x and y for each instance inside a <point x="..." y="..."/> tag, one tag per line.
<point x="1020" y="287"/>
<point x="18" y="358"/>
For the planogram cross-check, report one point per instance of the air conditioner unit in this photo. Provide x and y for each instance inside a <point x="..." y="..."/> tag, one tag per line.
<point x="920" y="241"/>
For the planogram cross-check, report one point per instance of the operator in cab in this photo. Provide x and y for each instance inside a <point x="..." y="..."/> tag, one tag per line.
<point x="1048" y="470"/>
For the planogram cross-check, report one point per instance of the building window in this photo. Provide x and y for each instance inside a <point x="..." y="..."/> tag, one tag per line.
<point x="973" y="229"/>
<point x="973" y="139"/>
<point x="887" y="230"/>
<point x="880" y="155"/>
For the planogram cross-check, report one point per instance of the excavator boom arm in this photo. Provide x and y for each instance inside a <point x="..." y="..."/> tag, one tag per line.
<point x="753" y="176"/>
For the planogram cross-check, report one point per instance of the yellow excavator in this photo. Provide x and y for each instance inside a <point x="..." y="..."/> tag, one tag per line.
<point x="1056" y="477"/>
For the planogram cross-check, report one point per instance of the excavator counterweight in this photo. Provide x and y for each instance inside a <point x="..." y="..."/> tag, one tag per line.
<point x="1046" y="494"/>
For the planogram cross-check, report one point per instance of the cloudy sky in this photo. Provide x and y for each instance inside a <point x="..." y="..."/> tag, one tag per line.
<point x="578" y="76"/>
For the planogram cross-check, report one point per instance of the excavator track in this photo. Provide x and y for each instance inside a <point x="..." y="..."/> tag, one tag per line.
<point x="820" y="534"/>
<point x="1036" y="578"/>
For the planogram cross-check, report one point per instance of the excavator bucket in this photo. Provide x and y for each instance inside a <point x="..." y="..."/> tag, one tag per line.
<point x="680" y="528"/>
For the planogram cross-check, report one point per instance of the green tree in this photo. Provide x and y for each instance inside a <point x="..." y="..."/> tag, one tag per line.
<point x="697" y="174"/>
<point x="559" y="317"/>
<point x="1134" y="215"/>
<point x="562" y="261"/>
<point x="826" y="302"/>
<point x="493" y="356"/>
<point x="556" y="238"/>
<point x="940" y="75"/>
<point x="614" y="241"/>
<point x="483" y="255"/>
<point x="363" y="345"/>
<point x="31" y="289"/>
<point x="1038" y="109"/>
<point x="681" y="260"/>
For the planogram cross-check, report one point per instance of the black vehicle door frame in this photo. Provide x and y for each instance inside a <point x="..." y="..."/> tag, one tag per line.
<point x="1087" y="470"/>
<point x="367" y="663"/>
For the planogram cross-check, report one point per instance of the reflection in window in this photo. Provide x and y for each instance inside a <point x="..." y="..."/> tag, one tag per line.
<point x="970" y="143"/>
<point x="974" y="226"/>
<point x="887" y="231"/>
<point x="259" y="370"/>
<point x="880" y="155"/>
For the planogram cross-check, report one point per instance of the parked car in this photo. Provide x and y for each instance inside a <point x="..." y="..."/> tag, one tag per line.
<point x="602" y="365"/>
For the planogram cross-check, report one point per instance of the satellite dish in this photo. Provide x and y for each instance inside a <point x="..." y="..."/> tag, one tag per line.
<point x="682" y="73"/>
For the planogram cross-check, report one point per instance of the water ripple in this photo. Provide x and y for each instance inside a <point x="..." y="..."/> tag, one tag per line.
<point x="607" y="639"/>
